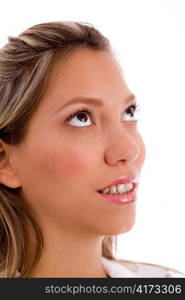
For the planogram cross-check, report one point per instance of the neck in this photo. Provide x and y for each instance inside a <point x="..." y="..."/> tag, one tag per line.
<point x="70" y="255"/>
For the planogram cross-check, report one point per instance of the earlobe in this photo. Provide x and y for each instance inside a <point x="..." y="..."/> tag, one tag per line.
<point x="8" y="175"/>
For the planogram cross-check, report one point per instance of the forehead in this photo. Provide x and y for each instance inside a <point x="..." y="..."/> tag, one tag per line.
<point x="87" y="73"/>
<point x="84" y="73"/>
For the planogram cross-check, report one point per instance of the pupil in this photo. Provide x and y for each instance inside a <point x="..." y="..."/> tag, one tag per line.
<point x="131" y="112"/>
<point x="81" y="117"/>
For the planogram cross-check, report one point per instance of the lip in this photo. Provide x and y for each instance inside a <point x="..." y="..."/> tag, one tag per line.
<point x="121" y="199"/>
<point x="121" y="180"/>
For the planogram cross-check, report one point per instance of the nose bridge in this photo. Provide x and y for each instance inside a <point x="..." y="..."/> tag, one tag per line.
<point x="121" y="145"/>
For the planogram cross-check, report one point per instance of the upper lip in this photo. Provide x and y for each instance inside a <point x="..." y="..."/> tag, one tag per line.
<point x="121" y="180"/>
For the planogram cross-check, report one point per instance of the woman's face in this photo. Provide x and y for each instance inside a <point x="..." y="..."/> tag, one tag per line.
<point x="63" y="161"/>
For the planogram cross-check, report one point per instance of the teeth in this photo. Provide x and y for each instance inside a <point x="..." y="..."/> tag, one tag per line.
<point x="121" y="188"/>
<point x="106" y="191"/>
<point x="118" y="189"/>
<point x="129" y="186"/>
<point x="113" y="189"/>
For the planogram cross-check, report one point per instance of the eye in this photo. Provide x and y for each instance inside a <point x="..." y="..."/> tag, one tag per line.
<point x="81" y="118"/>
<point x="84" y="117"/>
<point x="130" y="113"/>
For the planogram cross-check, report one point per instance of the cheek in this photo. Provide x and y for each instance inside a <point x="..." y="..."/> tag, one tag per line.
<point x="52" y="169"/>
<point x="61" y="161"/>
<point x="70" y="162"/>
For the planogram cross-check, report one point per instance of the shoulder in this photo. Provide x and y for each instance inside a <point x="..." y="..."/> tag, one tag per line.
<point x="124" y="268"/>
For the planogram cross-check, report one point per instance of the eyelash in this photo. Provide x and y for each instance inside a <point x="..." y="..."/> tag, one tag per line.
<point x="81" y="109"/>
<point x="89" y="112"/>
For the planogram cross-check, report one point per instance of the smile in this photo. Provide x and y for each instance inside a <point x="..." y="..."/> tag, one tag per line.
<point x="123" y="198"/>
<point x="118" y="189"/>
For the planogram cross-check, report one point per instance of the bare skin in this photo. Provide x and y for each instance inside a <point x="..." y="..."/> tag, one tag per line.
<point x="62" y="164"/>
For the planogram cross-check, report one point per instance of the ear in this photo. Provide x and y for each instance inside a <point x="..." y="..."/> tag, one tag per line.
<point x="8" y="173"/>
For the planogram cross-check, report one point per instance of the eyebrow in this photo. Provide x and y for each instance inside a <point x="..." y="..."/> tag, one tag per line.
<point x="94" y="101"/>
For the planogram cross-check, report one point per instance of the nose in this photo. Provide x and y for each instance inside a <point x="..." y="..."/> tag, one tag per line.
<point x="122" y="147"/>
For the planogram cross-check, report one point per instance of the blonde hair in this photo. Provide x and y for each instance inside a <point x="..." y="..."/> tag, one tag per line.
<point x="26" y="64"/>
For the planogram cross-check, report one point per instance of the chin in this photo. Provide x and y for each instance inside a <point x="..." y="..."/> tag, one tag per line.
<point x="118" y="228"/>
<point x="117" y="231"/>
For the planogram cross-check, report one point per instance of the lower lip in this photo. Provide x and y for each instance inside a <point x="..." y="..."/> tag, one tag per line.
<point x="123" y="199"/>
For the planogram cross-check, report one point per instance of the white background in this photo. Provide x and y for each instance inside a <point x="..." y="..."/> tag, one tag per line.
<point x="149" y="37"/>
